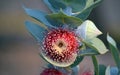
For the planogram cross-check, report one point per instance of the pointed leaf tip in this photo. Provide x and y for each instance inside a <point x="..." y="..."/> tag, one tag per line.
<point x="107" y="71"/>
<point x="38" y="15"/>
<point x="87" y="30"/>
<point x="111" y="40"/>
<point x="114" y="51"/>
<point x="97" y="45"/>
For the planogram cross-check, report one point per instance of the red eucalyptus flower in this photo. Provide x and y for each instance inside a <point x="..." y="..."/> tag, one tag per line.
<point x="60" y="47"/>
<point x="87" y="73"/>
<point x="51" y="71"/>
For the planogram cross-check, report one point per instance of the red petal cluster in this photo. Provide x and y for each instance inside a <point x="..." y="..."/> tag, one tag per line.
<point x="51" y="72"/>
<point x="87" y="73"/>
<point x="60" y="45"/>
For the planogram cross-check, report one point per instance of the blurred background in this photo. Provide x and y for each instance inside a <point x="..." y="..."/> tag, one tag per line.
<point x="19" y="51"/>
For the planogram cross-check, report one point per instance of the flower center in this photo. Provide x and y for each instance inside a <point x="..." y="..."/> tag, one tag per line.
<point x="60" y="44"/>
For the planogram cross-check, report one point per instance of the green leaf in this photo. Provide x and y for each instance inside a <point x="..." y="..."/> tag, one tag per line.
<point x="76" y="5"/>
<point x="96" y="44"/>
<point x="88" y="52"/>
<point x="77" y="61"/>
<point x="107" y="71"/>
<point x="38" y="15"/>
<point x="54" y="5"/>
<point x="102" y="69"/>
<point x="80" y="8"/>
<point x="60" y="20"/>
<point x="111" y="41"/>
<point x="84" y="13"/>
<point x="114" y="50"/>
<point x="96" y="66"/>
<point x="57" y="6"/>
<point x="36" y="30"/>
<point x="87" y="30"/>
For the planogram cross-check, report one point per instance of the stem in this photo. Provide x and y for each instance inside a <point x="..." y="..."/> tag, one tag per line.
<point x="95" y="63"/>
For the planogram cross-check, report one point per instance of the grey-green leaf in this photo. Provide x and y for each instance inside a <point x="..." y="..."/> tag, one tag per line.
<point x="80" y="8"/>
<point x="88" y="52"/>
<point x="55" y="5"/>
<point x="38" y="15"/>
<point x="84" y="13"/>
<point x="87" y="30"/>
<point x="77" y="61"/>
<point x="114" y="50"/>
<point x="97" y="45"/>
<point x="76" y="5"/>
<point x="111" y="41"/>
<point x="60" y="20"/>
<point x="102" y="69"/>
<point x="107" y="71"/>
<point x="96" y="66"/>
<point x="36" y="30"/>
